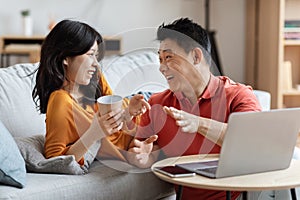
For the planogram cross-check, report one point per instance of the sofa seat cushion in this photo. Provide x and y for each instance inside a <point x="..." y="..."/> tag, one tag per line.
<point x="101" y="183"/>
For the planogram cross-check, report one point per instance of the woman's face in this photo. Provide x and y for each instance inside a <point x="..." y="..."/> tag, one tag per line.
<point x="80" y="69"/>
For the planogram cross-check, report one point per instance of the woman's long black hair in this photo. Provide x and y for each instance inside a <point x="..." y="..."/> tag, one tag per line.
<point x="67" y="39"/>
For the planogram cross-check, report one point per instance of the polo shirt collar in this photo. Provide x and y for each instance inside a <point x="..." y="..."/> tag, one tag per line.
<point x="208" y="93"/>
<point x="211" y="88"/>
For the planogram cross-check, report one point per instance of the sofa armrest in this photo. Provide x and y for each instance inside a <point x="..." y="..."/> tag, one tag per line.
<point x="264" y="99"/>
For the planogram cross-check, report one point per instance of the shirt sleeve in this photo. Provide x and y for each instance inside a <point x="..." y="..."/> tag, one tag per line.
<point x="144" y="128"/>
<point x="245" y="100"/>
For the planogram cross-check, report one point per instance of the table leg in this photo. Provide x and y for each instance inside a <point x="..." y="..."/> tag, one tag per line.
<point x="1" y="62"/>
<point x="179" y="192"/>
<point x="245" y="195"/>
<point x="228" y="195"/>
<point x="293" y="194"/>
<point x="7" y="60"/>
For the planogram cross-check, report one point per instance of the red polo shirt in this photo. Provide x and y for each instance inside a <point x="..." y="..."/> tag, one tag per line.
<point x="221" y="97"/>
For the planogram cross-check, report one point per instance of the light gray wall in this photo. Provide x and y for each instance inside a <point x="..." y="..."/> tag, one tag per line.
<point x="137" y="20"/>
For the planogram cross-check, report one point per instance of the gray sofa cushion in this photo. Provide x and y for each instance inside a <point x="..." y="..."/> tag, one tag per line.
<point x="32" y="150"/>
<point x="18" y="111"/>
<point x="12" y="165"/>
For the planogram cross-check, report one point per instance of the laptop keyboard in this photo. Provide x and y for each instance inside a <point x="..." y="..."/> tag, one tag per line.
<point x="211" y="170"/>
<point x="208" y="168"/>
<point x="208" y="172"/>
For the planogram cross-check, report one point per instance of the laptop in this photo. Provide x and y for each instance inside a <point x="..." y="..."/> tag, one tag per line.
<point x="254" y="142"/>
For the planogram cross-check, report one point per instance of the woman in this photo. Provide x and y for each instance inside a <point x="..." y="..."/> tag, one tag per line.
<point x="68" y="83"/>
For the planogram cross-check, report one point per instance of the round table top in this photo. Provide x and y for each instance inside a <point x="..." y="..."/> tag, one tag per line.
<point x="273" y="180"/>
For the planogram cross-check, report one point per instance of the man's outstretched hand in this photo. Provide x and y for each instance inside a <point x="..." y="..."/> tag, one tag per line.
<point x="140" y="154"/>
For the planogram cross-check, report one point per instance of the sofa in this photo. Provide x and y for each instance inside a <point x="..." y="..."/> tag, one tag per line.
<point x="27" y="175"/>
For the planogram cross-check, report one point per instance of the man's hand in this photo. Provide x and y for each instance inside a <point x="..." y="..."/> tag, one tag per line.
<point x="137" y="106"/>
<point x="188" y="122"/>
<point x="140" y="154"/>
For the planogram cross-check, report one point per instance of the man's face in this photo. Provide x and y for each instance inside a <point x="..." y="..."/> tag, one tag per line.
<point x="176" y="65"/>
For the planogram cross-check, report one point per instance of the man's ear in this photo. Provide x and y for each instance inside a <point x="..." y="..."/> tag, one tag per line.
<point x="65" y="62"/>
<point x="197" y="55"/>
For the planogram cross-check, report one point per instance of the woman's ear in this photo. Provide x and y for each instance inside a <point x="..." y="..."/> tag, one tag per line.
<point x="197" y="55"/>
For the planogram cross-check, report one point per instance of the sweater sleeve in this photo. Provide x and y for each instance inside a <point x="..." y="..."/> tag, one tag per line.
<point x="105" y="87"/>
<point x="61" y="130"/>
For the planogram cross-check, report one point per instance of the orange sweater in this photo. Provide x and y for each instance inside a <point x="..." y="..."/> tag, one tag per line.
<point x="66" y="121"/>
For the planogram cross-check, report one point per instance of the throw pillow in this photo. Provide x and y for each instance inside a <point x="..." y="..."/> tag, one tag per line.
<point x="146" y="95"/>
<point x="12" y="165"/>
<point x="32" y="150"/>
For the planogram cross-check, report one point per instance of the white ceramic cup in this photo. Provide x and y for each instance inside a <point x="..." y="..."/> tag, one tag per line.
<point x="109" y="103"/>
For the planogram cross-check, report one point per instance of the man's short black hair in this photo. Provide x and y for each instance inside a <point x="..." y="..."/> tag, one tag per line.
<point x="186" y="33"/>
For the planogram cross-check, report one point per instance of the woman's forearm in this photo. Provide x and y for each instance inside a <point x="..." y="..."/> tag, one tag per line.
<point x="81" y="146"/>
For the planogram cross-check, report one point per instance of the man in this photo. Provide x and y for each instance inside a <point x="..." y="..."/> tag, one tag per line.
<point x="191" y="116"/>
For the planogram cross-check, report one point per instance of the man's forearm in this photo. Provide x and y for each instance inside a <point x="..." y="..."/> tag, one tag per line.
<point x="212" y="129"/>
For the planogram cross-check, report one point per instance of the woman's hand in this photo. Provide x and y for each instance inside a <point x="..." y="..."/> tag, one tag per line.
<point x="188" y="122"/>
<point x="108" y="123"/>
<point x="137" y="106"/>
